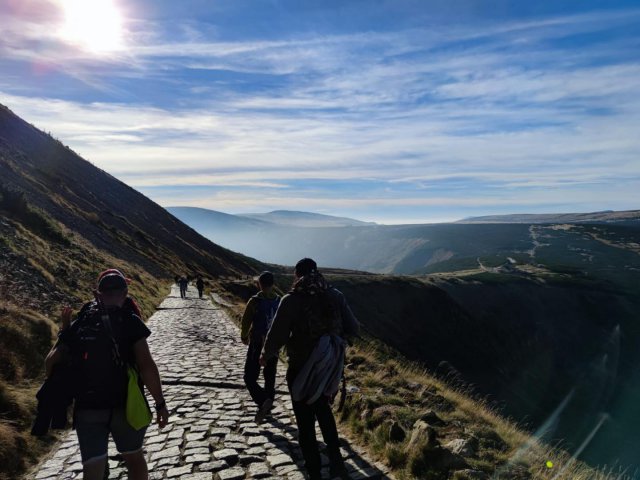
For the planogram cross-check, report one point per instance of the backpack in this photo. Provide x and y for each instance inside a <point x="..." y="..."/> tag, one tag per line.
<point x="265" y="313"/>
<point x="320" y="315"/>
<point x="99" y="374"/>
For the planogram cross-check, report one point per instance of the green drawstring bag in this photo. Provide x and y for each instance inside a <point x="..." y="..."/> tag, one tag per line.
<point x="138" y="412"/>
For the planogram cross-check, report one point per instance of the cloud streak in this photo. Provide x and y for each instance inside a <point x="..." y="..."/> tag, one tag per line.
<point x="515" y="112"/>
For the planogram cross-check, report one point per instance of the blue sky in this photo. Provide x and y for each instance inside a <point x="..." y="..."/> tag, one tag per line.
<point x="389" y="111"/>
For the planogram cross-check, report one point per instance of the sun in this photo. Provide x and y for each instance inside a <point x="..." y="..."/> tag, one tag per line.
<point x="94" y="25"/>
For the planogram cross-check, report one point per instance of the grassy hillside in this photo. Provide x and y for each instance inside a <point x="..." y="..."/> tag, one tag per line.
<point x="61" y="222"/>
<point x="530" y="345"/>
<point x="424" y="423"/>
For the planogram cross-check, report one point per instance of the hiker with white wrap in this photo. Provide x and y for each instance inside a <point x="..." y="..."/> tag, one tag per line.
<point x="313" y="321"/>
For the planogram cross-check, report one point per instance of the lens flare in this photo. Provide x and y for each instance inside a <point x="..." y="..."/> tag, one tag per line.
<point x="94" y="25"/>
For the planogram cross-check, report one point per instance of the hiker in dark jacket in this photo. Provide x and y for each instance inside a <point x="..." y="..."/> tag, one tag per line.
<point x="55" y="396"/>
<point x="256" y="320"/>
<point x="311" y="310"/>
<point x="105" y="337"/>
<point x="183" y="283"/>
<point x="200" y="286"/>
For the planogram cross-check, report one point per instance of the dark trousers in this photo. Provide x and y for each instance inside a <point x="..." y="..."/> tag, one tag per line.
<point x="200" y="290"/>
<point x="306" y="416"/>
<point x="252" y="373"/>
<point x="183" y="291"/>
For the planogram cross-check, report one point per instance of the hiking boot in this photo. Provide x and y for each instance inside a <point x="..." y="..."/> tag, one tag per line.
<point x="264" y="410"/>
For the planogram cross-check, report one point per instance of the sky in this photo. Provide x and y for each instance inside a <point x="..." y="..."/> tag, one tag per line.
<point x="394" y="111"/>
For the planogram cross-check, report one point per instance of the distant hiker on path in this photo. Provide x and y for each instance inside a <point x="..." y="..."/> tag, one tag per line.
<point x="184" y="284"/>
<point x="313" y="320"/>
<point x="200" y="285"/>
<point x="102" y="346"/>
<point x="256" y="320"/>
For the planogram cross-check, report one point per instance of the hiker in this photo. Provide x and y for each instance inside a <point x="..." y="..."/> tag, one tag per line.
<point x="200" y="285"/>
<point x="99" y="346"/>
<point x="56" y="393"/>
<point x="313" y="320"/>
<point x="256" y="320"/>
<point x="184" y="284"/>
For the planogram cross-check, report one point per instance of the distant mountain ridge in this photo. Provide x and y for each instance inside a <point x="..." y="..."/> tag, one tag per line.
<point x="485" y="242"/>
<point x="604" y="216"/>
<point x="293" y="218"/>
<point x="305" y="219"/>
<point x="281" y="218"/>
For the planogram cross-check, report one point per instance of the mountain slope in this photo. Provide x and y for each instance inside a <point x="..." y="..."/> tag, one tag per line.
<point x="81" y="197"/>
<point x="556" y="354"/>
<point x="62" y="221"/>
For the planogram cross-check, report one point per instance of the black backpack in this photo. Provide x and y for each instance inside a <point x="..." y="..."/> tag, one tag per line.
<point x="263" y="318"/>
<point x="100" y="375"/>
<point x="320" y="314"/>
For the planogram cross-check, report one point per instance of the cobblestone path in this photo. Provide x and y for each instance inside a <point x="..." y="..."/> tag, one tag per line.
<point x="211" y="434"/>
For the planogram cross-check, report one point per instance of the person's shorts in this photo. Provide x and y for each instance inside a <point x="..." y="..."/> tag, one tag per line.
<point x="93" y="428"/>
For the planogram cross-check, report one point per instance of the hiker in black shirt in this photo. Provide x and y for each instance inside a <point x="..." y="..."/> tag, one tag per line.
<point x="311" y="311"/>
<point x="102" y="341"/>
<point x="200" y="285"/>
<point x="184" y="284"/>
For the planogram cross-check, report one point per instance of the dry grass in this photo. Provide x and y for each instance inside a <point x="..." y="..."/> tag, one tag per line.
<point x="394" y="390"/>
<point x="25" y="338"/>
<point x="9" y="444"/>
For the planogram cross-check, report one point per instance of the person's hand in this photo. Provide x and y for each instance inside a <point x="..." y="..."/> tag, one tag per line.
<point x="162" y="417"/>
<point x="65" y="317"/>
<point x="263" y="361"/>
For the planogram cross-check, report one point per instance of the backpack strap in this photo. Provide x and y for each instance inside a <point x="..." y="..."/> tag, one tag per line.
<point x="106" y="322"/>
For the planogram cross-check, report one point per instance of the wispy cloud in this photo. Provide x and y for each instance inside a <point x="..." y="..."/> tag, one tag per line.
<point x="522" y="111"/>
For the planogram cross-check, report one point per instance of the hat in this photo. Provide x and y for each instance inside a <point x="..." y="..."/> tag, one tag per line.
<point x="305" y="267"/>
<point x="111" y="282"/>
<point x="110" y="271"/>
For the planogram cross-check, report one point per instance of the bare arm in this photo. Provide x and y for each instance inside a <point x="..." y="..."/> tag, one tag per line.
<point x="151" y="378"/>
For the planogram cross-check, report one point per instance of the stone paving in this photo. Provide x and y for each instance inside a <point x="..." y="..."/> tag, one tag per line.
<point x="211" y="434"/>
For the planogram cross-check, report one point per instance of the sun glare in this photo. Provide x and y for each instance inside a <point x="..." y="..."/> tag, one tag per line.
<point x="94" y="25"/>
